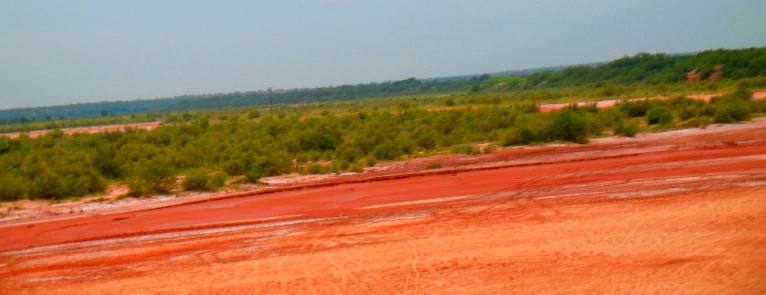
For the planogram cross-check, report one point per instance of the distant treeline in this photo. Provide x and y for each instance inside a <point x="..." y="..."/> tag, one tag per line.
<point x="644" y="68"/>
<point x="234" y="99"/>
<point x="641" y="68"/>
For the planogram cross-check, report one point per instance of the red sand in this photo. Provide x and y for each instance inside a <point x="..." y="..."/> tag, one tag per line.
<point x="89" y="129"/>
<point x="676" y="212"/>
<point x="759" y="94"/>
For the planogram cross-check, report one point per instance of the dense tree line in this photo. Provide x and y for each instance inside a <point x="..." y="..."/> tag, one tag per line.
<point x="229" y="100"/>
<point x="648" y="68"/>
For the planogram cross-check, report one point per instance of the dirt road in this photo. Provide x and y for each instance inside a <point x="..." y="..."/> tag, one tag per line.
<point x="87" y="129"/>
<point x="676" y="212"/>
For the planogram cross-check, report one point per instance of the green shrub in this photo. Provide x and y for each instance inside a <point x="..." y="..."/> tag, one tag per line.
<point x="740" y="111"/>
<point x="217" y="180"/>
<point x="387" y="151"/>
<point x="635" y="108"/>
<point x="7" y="145"/>
<point x="759" y="106"/>
<point x="701" y="122"/>
<point x="525" y="135"/>
<point x="64" y="182"/>
<point x="46" y="186"/>
<point x="508" y="138"/>
<point x="195" y="181"/>
<point x="320" y="138"/>
<point x="253" y="175"/>
<point x="742" y="94"/>
<point x="607" y="118"/>
<point x="426" y="139"/>
<point x="349" y="152"/>
<point x="272" y="164"/>
<point x="569" y="125"/>
<point x="200" y="180"/>
<point x="659" y="115"/>
<point x="234" y="167"/>
<point x="731" y="111"/>
<point x="152" y="177"/>
<point x="689" y="111"/>
<point x="108" y="163"/>
<point x="627" y="127"/>
<point x="343" y="165"/>
<point x="369" y="162"/>
<point x="12" y="187"/>
<point x="518" y="136"/>
<point x="315" y="168"/>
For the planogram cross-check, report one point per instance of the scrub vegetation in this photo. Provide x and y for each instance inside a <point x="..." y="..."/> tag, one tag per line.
<point x="206" y="148"/>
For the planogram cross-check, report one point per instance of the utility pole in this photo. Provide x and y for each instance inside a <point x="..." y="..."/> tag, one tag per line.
<point x="271" y="104"/>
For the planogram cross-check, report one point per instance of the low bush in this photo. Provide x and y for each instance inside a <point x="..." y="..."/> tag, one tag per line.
<point x="700" y="122"/>
<point x="760" y="106"/>
<point x="659" y="115"/>
<point x="635" y="108"/>
<point x="519" y="136"/>
<point x="201" y="180"/>
<point x="569" y="125"/>
<point x="731" y="110"/>
<point x="152" y="178"/>
<point x="234" y="167"/>
<point x="387" y="151"/>
<point x="627" y="127"/>
<point x="65" y="182"/>
<point x="12" y="187"/>
<point x="315" y="168"/>
<point x="253" y="175"/>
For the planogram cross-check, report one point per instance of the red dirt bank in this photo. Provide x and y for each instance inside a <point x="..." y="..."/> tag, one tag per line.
<point x="609" y="103"/>
<point x="682" y="211"/>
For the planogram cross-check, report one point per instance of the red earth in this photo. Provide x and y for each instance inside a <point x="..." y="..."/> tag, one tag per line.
<point x="676" y="212"/>
<point x="609" y="103"/>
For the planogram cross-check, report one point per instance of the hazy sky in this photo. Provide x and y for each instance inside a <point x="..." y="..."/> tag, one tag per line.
<point x="59" y="52"/>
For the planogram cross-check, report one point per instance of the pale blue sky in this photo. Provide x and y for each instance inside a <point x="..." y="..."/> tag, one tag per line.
<point x="68" y="51"/>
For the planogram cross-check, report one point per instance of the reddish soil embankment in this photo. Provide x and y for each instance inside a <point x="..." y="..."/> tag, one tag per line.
<point x="676" y="212"/>
<point x="609" y="103"/>
<point x="88" y="129"/>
